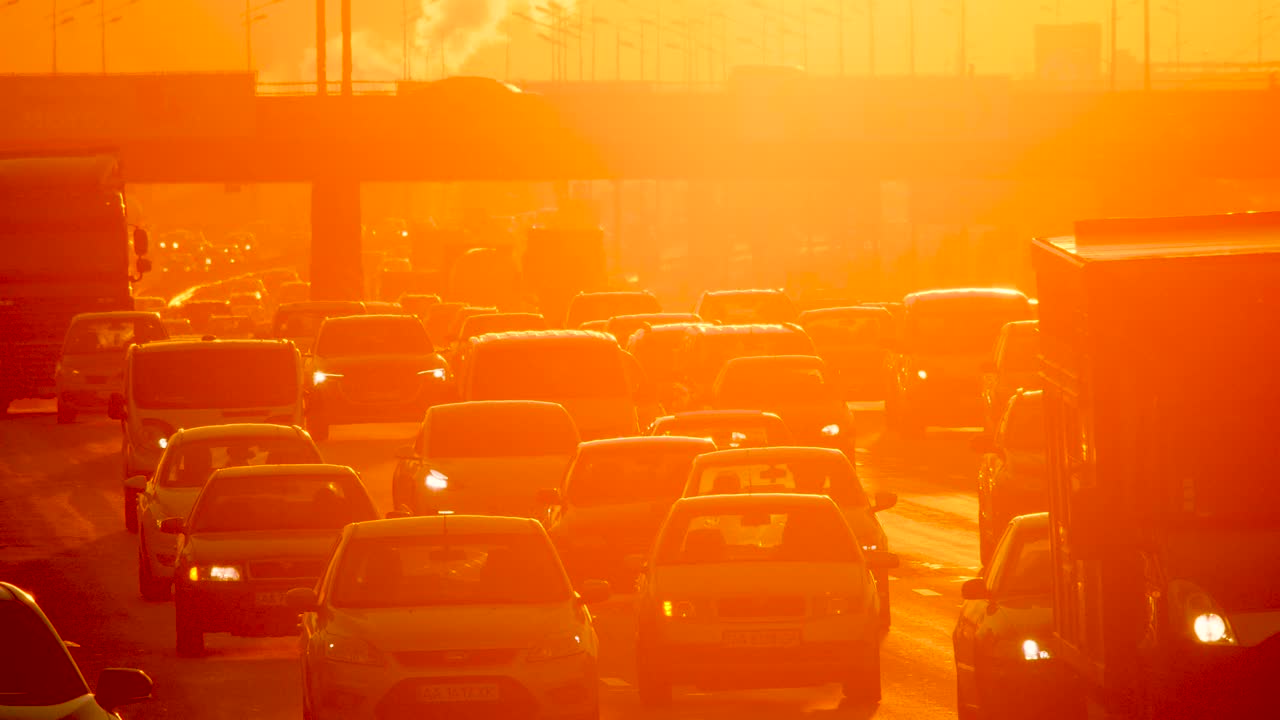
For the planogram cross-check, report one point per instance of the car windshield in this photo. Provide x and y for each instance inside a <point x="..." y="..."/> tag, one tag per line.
<point x="813" y="534"/>
<point x="280" y="503"/>
<point x="1027" y="565"/>
<point x="767" y="385"/>
<point x="449" y="569"/>
<point x="399" y="335"/>
<point x="34" y="668"/>
<point x="748" y="308"/>
<point x="616" y="478"/>
<point x="1024" y="428"/>
<point x="1021" y="351"/>
<point x="510" y="435"/>
<point x="838" y="332"/>
<point x="959" y="326"/>
<point x="102" y="335"/>
<point x="833" y="477"/>
<point x="306" y="323"/>
<point x="216" y="377"/>
<point x="192" y="462"/>
<point x="548" y="370"/>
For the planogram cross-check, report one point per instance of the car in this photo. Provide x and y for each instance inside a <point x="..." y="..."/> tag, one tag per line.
<point x="372" y="369"/>
<point x="189" y="457"/>
<point x="454" y="334"/>
<point x="586" y="372"/>
<point x="253" y="534"/>
<point x="944" y="338"/>
<point x="794" y="387"/>
<point x="1016" y="366"/>
<point x="706" y="348"/>
<point x="178" y="327"/>
<point x="802" y="470"/>
<point x="588" y="306"/>
<point x="40" y="679"/>
<point x="200" y="311"/>
<point x="1007" y="664"/>
<point x="190" y="383"/>
<point x="91" y="365"/>
<point x="657" y="349"/>
<point x="416" y="304"/>
<point x="439" y="319"/>
<point x="1013" y="478"/>
<point x="448" y="616"/>
<point x="622" y="327"/>
<point x="300" y="321"/>
<point x="149" y="304"/>
<point x="853" y="341"/>
<point x="594" y="325"/>
<point x="484" y="324"/>
<point x="742" y="307"/>
<point x="384" y="307"/>
<point x="231" y="327"/>
<point x="485" y="458"/>
<point x="749" y="591"/>
<point x="613" y="500"/>
<point x="728" y="429"/>
<point x="291" y="291"/>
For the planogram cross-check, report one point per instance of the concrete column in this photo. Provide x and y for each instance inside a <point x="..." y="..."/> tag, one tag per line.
<point x="336" y="240"/>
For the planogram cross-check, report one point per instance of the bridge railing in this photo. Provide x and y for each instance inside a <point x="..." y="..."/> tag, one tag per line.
<point x="359" y="87"/>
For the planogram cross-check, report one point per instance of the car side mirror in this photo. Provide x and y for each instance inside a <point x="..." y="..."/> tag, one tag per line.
<point x="549" y="497"/>
<point x="116" y="407"/>
<point x="884" y="501"/>
<point x="406" y="453"/>
<point x="141" y="241"/>
<point x="142" y="265"/>
<point x="173" y="526"/>
<point x="302" y="599"/>
<point x="397" y="514"/>
<point x="635" y="563"/>
<point x="975" y="589"/>
<point x="120" y="686"/>
<point x="881" y="560"/>
<point x="137" y="482"/>
<point x="983" y="444"/>
<point x="595" y="591"/>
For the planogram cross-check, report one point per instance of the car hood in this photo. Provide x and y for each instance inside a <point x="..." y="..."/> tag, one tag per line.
<point x="377" y="364"/>
<point x="260" y="545"/>
<point x="453" y="627"/>
<point x="761" y="578"/>
<point x="494" y="486"/>
<point x="81" y="708"/>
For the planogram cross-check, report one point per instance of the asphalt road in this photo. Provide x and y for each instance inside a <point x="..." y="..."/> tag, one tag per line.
<point x="62" y="537"/>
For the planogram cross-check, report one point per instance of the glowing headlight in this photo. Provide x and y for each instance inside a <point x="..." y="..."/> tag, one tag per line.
<point x="436" y="480"/>
<point x="1203" y="617"/>
<point x="437" y="373"/>
<point x="163" y="443"/>
<point x="351" y="650"/>
<point x="218" y="573"/>
<point x="1210" y="628"/>
<point x="154" y="434"/>
<point x="1031" y="650"/>
<point x="866" y="548"/>
<point x="680" y="609"/>
<point x="831" y="430"/>
<point x="320" y="376"/>
<point x="557" y="646"/>
<point x="922" y="374"/>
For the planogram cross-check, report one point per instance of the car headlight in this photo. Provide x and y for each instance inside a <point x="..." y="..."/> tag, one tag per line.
<point x="352" y="650"/>
<point x="1031" y="650"/>
<point x="831" y="430"/>
<point x="215" y="573"/>
<point x="556" y="646"/>
<point x="154" y="434"/>
<point x="437" y="373"/>
<point x="1203" y="619"/>
<point x="318" y="377"/>
<point x="922" y="374"/>
<point x="678" y="609"/>
<point x="436" y="480"/>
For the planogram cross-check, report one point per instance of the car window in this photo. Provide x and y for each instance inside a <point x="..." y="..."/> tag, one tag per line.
<point x="616" y="478"/>
<point x="191" y="463"/>
<point x="34" y="668"/>
<point x="803" y="476"/>
<point x="781" y="535"/>
<point x="1022" y="427"/>
<point x="1025" y="567"/>
<point x="88" y="337"/>
<point x="288" y="502"/>
<point x="373" y="336"/>
<point x="452" y="569"/>
<point x="216" y="377"/>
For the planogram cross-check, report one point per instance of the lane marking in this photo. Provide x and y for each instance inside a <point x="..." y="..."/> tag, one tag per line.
<point x="926" y="592"/>
<point x="615" y="682"/>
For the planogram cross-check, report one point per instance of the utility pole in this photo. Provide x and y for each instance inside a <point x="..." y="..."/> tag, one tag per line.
<point x="322" y="50"/>
<point x="346" y="48"/>
<point x="1146" y="44"/>
<point x="1114" y="15"/>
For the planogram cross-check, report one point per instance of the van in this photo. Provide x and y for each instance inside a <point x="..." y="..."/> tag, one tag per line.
<point x="178" y="384"/>
<point x="586" y="372"/>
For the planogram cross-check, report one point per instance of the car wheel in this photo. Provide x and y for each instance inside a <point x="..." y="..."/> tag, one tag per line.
<point x="66" y="413"/>
<point x="652" y="681"/>
<point x="318" y="426"/>
<point x="131" y="510"/>
<point x="153" y="589"/>
<point x="864" y="687"/>
<point x="190" y="638"/>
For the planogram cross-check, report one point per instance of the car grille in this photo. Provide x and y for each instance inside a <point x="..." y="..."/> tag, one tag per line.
<point x="400" y="702"/>
<point x="782" y="606"/>
<point x="272" y="569"/>
<point x="376" y="383"/>
<point x="456" y="658"/>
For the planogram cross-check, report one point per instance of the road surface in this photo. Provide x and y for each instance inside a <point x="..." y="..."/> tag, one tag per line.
<point x="62" y="537"/>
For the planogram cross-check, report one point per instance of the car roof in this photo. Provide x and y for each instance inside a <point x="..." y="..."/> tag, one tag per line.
<point x="672" y="328"/>
<point x="211" y="344"/>
<point x="743" y="291"/>
<point x="744" y="329"/>
<point x="951" y="293"/>
<point x="776" y="361"/>
<point x="544" y="336"/>
<point x="615" y="293"/>
<point x="285" y="471"/>
<point x="1021" y="326"/>
<point x="712" y="503"/>
<point x="696" y="415"/>
<point x="117" y="315"/>
<point x="322" y="305"/>
<point x="635" y="317"/>
<point x="671" y="442"/>
<point x="442" y="524"/>
<point x="847" y="311"/>
<point x="373" y="317"/>
<point x="12" y="593"/>
<point x="467" y="411"/>
<point x="234" y="430"/>
<point x="776" y="452"/>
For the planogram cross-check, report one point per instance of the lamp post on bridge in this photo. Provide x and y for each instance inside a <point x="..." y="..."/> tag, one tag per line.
<point x="253" y="14"/>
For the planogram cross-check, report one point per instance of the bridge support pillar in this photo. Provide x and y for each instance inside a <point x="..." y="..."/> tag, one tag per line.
<point x="336" y="240"/>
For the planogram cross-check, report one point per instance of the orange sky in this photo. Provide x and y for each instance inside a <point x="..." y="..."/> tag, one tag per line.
<point x="185" y="35"/>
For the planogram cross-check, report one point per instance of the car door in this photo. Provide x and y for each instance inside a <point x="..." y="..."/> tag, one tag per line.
<point x="969" y="627"/>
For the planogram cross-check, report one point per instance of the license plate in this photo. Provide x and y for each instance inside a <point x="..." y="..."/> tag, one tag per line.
<point x="268" y="599"/>
<point x="469" y="692"/>
<point x="761" y="638"/>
